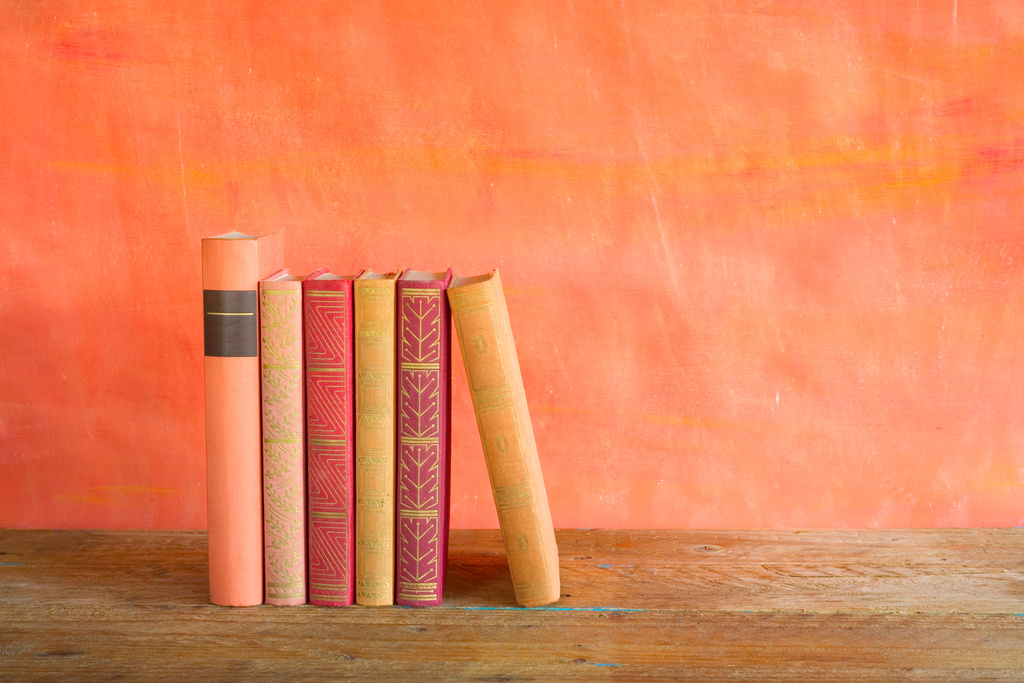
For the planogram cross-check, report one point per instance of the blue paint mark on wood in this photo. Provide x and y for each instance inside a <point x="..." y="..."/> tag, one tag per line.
<point x="559" y="609"/>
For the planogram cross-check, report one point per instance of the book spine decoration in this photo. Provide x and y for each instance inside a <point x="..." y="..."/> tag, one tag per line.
<point x="375" y="440"/>
<point x="233" y="265"/>
<point x="506" y="434"/>
<point x="284" y="452"/>
<point x="329" y="432"/>
<point x="423" y="444"/>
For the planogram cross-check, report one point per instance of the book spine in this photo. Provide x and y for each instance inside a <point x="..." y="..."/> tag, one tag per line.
<point x="329" y="433"/>
<point x="375" y="441"/>
<point x="232" y="269"/>
<point x="423" y="445"/>
<point x="506" y="434"/>
<point x="284" y="453"/>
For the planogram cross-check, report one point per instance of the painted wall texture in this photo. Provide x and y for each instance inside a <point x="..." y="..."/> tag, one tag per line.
<point x="764" y="261"/>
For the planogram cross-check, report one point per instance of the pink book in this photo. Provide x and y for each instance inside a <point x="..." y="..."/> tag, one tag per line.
<point x="284" y="444"/>
<point x="330" y="437"/>
<point x="423" y="437"/>
<point x="233" y="265"/>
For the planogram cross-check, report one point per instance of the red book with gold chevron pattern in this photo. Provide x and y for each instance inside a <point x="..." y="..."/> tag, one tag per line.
<point x="330" y="436"/>
<point x="423" y="437"/>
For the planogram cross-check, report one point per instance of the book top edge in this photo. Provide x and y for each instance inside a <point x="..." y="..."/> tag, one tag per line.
<point x="234" y="235"/>
<point x="370" y="275"/>
<point x="332" y="276"/>
<point x="468" y="280"/>
<point x="423" y="276"/>
<point x="282" y="275"/>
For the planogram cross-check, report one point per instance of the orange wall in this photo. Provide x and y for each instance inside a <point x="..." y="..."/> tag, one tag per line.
<point x="765" y="261"/>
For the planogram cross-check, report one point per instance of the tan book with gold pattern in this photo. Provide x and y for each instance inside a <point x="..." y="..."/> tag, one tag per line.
<point x="284" y="434"/>
<point x="374" y="297"/>
<point x="506" y="434"/>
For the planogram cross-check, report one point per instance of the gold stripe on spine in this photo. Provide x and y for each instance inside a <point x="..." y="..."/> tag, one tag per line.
<point x="421" y="366"/>
<point x="418" y="514"/>
<point x="510" y="497"/>
<point x="492" y="398"/>
<point x="470" y="299"/>
<point x="532" y="591"/>
<point x="329" y="515"/>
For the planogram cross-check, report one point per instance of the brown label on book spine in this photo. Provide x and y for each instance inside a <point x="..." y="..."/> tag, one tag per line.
<point x="230" y="323"/>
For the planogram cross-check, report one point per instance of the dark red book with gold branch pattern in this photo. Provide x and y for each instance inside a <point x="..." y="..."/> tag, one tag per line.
<point x="423" y="437"/>
<point x="330" y="437"/>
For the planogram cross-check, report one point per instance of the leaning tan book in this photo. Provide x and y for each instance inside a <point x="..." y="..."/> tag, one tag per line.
<point x="506" y="434"/>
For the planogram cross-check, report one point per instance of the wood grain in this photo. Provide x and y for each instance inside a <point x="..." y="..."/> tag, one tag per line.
<point x="681" y="605"/>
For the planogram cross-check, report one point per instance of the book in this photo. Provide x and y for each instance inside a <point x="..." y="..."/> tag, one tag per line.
<point x="506" y="435"/>
<point x="423" y="437"/>
<point x="375" y="437"/>
<point x="284" y="439"/>
<point x="330" y="432"/>
<point x="233" y="265"/>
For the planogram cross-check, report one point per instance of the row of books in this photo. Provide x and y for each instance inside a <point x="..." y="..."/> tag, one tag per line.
<point x="328" y="404"/>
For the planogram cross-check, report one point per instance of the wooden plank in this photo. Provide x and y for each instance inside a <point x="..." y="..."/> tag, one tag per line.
<point x="536" y="645"/>
<point x="684" y="605"/>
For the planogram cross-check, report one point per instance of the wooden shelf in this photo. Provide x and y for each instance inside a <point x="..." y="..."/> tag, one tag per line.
<point x="681" y="605"/>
